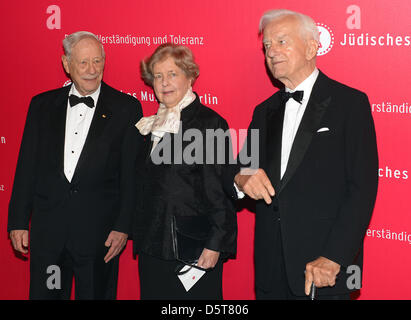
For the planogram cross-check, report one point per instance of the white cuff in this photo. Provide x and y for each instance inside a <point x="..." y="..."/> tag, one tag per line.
<point x="240" y="194"/>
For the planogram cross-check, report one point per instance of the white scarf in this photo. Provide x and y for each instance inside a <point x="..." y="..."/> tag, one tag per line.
<point x="166" y="119"/>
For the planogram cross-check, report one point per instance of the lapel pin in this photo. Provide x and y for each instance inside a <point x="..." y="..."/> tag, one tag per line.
<point x="104" y="116"/>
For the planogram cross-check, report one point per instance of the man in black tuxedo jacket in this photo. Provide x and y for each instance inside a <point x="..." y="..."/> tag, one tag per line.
<point x="316" y="182"/>
<point x="75" y="179"/>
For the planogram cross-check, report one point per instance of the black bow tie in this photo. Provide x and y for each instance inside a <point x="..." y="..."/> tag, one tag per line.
<point x="88" y="101"/>
<point x="296" y="95"/>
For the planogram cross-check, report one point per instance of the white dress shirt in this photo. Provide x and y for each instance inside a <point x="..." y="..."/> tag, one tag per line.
<point x="78" y="121"/>
<point x="293" y="114"/>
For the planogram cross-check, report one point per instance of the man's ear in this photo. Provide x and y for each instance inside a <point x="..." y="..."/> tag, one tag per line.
<point x="312" y="49"/>
<point x="64" y="59"/>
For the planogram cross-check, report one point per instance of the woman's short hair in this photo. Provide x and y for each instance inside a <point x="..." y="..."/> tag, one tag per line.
<point x="71" y="40"/>
<point x="308" y="27"/>
<point x="183" y="58"/>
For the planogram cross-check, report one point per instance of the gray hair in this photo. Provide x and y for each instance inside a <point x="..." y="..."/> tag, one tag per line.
<point x="308" y="26"/>
<point x="71" y="40"/>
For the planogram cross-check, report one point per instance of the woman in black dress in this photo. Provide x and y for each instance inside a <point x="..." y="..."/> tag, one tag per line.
<point x="187" y="148"/>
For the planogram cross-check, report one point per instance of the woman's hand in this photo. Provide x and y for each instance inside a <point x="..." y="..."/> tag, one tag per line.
<point x="208" y="259"/>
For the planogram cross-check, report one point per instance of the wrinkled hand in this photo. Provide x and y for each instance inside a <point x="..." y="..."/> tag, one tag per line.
<point x="255" y="184"/>
<point x="116" y="241"/>
<point x="20" y="240"/>
<point x="322" y="272"/>
<point x="208" y="259"/>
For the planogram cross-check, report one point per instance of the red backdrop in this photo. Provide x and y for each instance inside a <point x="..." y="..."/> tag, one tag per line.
<point x="366" y="45"/>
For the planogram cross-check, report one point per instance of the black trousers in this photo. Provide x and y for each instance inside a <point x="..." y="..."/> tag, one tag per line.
<point x="158" y="281"/>
<point x="279" y="288"/>
<point x="52" y="273"/>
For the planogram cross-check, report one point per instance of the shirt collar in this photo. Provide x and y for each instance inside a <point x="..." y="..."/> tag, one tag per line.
<point x="94" y="95"/>
<point x="307" y="84"/>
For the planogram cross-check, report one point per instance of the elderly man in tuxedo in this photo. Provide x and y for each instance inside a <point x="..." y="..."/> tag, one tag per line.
<point x="75" y="179"/>
<point x="317" y="179"/>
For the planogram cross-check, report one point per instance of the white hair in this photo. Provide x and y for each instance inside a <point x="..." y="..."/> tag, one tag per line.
<point x="71" y="40"/>
<point x="308" y="26"/>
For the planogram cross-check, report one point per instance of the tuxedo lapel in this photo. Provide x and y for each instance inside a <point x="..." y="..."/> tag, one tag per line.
<point x="318" y="103"/>
<point x="275" y="119"/>
<point x="101" y="117"/>
<point x="58" y="121"/>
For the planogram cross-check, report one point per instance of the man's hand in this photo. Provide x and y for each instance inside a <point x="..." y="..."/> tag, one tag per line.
<point x="255" y="184"/>
<point x="116" y="241"/>
<point x="322" y="272"/>
<point x="20" y="240"/>
<point x="208" y="259"/>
